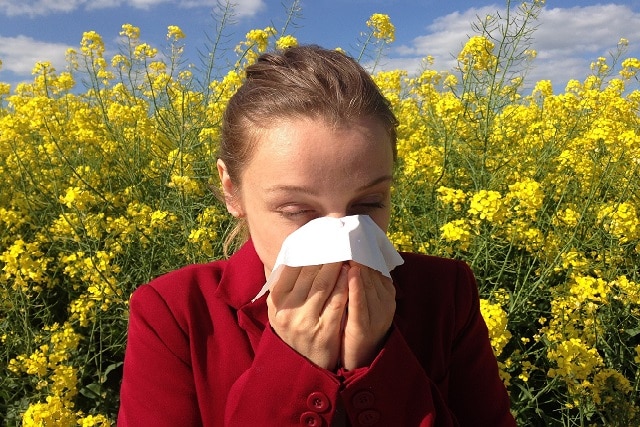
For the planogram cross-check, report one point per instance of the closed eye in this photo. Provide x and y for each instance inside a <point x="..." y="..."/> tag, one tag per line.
<point x="293" y="214"/>
<point x="363" y="208"/>
<point x="294" y="211"/>
<point x="377" y="205"/>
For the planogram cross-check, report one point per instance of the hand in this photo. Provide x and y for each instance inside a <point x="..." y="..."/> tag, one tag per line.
<point x="306" y="306"/>
<point x="370" y="311"/>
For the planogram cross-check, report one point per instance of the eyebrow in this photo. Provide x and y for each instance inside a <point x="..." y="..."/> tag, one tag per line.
<point x="307" y="190"/>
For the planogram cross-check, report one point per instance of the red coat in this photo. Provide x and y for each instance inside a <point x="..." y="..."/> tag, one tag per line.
<point x="200" y="353"/>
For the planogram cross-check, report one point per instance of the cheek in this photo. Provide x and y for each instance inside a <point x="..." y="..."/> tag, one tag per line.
<point x="267" y="238"/>
<point x="382" y="218"/>
<point x="265" y="228"/>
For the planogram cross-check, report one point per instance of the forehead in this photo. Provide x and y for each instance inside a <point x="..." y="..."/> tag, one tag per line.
<point x="320" y="136"/>
<point x="314" y="148"/>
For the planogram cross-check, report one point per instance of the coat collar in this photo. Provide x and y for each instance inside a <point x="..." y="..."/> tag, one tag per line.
<point x="242" y="278"/>
<point x="241" y="281"/>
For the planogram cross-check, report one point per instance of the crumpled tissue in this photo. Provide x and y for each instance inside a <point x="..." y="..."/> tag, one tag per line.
<point x="327" y="239"/>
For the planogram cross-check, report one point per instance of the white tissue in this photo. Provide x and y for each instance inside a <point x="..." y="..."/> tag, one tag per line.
<point x="325" y="240"/>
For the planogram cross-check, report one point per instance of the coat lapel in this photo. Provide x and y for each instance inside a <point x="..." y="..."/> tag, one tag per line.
<point x="242" y="279"/>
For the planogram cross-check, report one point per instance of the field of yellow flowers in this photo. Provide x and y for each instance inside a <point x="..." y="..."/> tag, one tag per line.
<point x="108" y="180"/>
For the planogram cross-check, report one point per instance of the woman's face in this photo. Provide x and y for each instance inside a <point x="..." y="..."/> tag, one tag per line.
<point x="303" y="169"/>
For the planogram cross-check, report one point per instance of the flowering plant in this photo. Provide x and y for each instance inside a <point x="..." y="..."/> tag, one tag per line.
<point x="109" y="186"/>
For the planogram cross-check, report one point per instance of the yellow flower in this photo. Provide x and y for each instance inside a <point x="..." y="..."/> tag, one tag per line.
<point x="450" y="81"/>
<point x="260" y="38"/>
<point x="608" y="382"/>
<point x="487" y="205"/>
<point x="630" y="68"/>
<point x="526" y="197"/>
<point x="575" y="360"/>
<point x="120" y="61"/>
<point x="600" y="66"/>
<point x="621" y="220"/>
<point x="453" y="197"/>
<point x="382" y="27"/>
<point x="77" y="198"/>
<point x="286" y="42"/>
<point x="629" y="290"/>
<point x="457" y="231"/>
<point x="544" y="88"/>
<point x="5" y="89"/>
<point x="94" y="420"/>
<point x="184" y="183"/>
<point x="25" y="265"/>
<point x="567" y="217"/>
<point x="64" y="380"/>
<point x="55" y="412"/>
<point x="174" y="33"/>
<point x="477" y="54"/>
<point x="92" y="44"/>
<point x="130" y="31"/>
<point x="143" y="51"/>
<point x="527" y="367"/>
<point x="497" y="321"/>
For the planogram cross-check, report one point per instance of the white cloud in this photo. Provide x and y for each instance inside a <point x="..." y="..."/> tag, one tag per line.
<point x="137" y="4"/>
<point x="591" y="29"/>
<point x="445" y="37"/>
<point x="20" y="54"/>
<point x="567" y="40"/>
<point x="38" y="7"/>
<point x="243" y="8"/>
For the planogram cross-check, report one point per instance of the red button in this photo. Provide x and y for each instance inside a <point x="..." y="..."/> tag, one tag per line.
<point x="310" y="419"/>
<point x="369" y="417"/>
<point x="363" y="400"/>
<point x="318" y="402"/>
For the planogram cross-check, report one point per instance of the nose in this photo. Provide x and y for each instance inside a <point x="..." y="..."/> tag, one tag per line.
<point x="337" y="214"/>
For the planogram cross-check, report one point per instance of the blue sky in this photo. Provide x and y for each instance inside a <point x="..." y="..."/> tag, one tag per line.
<point x="571" y="33"/>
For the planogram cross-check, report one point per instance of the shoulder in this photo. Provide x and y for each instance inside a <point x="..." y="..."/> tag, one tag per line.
<point x="179" y="291"/>
<point x="437" y="299"/>
<point x="441" y="281"/>
<point x="201" y="287"/>
<point x="186" y="279"/>
<point x="197" y="275"/>
<point x="420" y="267"/>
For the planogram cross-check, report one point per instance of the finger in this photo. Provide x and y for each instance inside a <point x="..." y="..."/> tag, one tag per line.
<point x="387" y="288"/>
<point x="306" y="278"/>
<point x="379" y="290"/>
<point x="284" y="282"/>
<point x="376" y="285"/>
<point x="334" y="307"/>
<point x="357" y="295"/>
<point x="369" y="281"/>
<point x="324" y="284"/>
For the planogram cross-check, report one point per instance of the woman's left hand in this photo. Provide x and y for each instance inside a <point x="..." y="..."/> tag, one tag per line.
<point x="371" y="307"/>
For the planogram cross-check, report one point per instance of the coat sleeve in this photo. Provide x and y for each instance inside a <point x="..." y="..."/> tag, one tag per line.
<point x="283" y="387"/>
<point x="396" y="390"/>
<point x="156" y="345"/>
<point x="287" y="389"/>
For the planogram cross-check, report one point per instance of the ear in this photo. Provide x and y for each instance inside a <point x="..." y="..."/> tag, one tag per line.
<point x="229" y="191"/>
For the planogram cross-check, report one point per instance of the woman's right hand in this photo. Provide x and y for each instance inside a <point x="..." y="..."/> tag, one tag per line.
<point x="306" y="306"/>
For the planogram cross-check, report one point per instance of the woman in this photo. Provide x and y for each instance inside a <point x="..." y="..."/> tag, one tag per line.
<point x="308" y="135"/>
